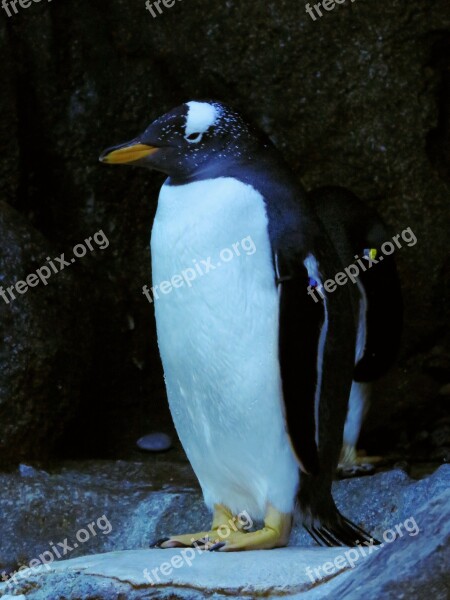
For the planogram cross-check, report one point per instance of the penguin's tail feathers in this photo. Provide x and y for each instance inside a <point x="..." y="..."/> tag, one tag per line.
<point x="340" y="532"/>
<point x="327" y="526"/>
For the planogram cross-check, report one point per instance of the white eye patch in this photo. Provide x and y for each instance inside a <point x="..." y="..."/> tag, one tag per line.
<point x="201" y="116"/>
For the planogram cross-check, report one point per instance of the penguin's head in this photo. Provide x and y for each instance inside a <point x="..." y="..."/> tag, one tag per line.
<point x="186" y="141"/>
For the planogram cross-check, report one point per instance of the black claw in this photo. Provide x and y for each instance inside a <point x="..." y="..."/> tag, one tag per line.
<point x="159" y="543"/>
<point x="216" y="547"/>
<point x="201" y="542"/>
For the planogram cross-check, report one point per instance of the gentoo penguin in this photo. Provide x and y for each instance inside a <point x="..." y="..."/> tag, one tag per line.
<point x="356" y="229"/>
<point x="258" y="373"/>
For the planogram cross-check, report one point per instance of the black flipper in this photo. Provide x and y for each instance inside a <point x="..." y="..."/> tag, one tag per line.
<point x="301" y="322"/>
<point x="384" y="318"/>
<point x="353" y="227"/>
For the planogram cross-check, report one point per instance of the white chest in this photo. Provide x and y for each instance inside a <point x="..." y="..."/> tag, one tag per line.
<point x="217" y="324"/>
<point x="217" y="312"/>
<point x="209" y="243"/>
<point x="202" y="218"/>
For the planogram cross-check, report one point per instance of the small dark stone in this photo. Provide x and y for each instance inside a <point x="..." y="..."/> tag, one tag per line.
<point x="28" y="471"/>
<point x="155" y="442"/>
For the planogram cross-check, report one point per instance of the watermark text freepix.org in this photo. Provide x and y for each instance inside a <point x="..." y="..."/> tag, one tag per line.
<point x="55" y="265"/>
<point x="352" y="272"/>
<point x="154" y="6"/>
<point x="350" y="557"/>
<point x="10" y="6"/>
<point x="327" y="5"/>
<point x="200" y="269"/>
<point x="59" y="550"/>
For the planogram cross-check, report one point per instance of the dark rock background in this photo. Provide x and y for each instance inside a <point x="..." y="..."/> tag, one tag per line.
<point x="358" y="98"/>
<point x="45" y="344"/>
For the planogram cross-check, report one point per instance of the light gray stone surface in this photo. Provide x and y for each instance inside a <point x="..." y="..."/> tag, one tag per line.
<point x="411" y="566"/>
<point x="247" y="574"/>
<point x="54" y="506"/>
<point x="414" y="567"/>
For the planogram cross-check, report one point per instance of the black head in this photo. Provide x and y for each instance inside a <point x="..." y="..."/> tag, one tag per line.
<point x="188" y="140"/>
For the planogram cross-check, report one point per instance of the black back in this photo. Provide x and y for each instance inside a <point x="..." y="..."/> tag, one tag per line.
<point x="353" y="227"/>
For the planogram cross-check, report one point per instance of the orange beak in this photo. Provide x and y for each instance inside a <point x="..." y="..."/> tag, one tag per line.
<point x="127" y="154"/>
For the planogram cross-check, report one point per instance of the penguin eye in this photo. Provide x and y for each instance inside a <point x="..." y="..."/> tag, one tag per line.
<point x="194" y="138"/>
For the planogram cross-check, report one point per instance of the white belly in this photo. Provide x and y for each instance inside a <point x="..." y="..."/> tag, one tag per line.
<point x="218" y="341"/>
